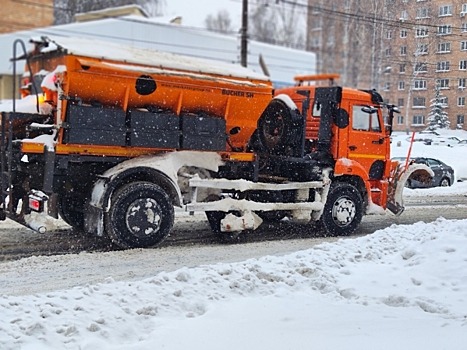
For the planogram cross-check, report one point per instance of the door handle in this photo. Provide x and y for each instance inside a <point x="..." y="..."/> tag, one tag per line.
<point x="352" y="148"/>
<point x="379" y="141"/>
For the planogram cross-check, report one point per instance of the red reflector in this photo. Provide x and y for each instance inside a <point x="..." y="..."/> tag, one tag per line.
<point x="35" y="204"/>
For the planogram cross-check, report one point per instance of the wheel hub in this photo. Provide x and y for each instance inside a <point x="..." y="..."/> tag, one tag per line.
<point x="143" y="217"/>
<point x="273" y="130"/>
<point x="343" y="211"/>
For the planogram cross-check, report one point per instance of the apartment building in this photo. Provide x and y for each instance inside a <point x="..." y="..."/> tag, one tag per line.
<point x="425" y="48"/>
<point x="403" y="48"/>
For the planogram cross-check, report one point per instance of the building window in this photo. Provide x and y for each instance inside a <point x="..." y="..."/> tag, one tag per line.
<point x="400" y="102"/>
<point x="444" y="47"/>
<point x="389" y="34"/>
<point x="445" y="10"/>
<point x="419" y="85"/>
<point x="464" y="27"/>
<point x="445" y="29"/>
<point x="403" y="50"/>
<point x="403" y="33"/>
<point x="463" y="45"/>
<point x="418" y="102"/>
<point x="418" y="120"/>
<point x="316" y="41"/>
<point x="421" y="32"/>
<point x="316" y="25"/>
<point x="388" y="52"/>
<point x="402" y="68"/>
<point x="443" y="83"/>
<point x="404" y="15"/>
<point x="442" y="66"/>
<point x="422" y="49"/>
<point x="464" y="9"/>
<point x="444" y="101"/>
<point x="463" y="65"/>
<point x="461" y="101"/>
<point x="387" y="86"/>
<point x="460" y="119"/>
<point x="401" y="85"/>
<point x="400" y="120"/>
<point x="422" y="13"/>
<point x="421" y="67"/>
<point x="461" y="83"/>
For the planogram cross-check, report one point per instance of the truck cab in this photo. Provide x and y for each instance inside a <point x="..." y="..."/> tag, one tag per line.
<point x="343" y="128"/>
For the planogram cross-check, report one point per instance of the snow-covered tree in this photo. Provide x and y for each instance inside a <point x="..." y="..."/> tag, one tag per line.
<point x="437" y="117"/>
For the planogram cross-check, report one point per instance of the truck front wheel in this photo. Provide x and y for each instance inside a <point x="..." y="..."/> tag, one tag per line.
<point x="141" y="215"/>
<point x="343" y="210"/>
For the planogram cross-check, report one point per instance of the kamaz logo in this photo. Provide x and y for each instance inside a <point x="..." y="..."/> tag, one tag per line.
<point x="237" y="93"/>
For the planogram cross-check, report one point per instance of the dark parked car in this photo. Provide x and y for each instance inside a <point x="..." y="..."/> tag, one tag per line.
<point x="443" y="173"/>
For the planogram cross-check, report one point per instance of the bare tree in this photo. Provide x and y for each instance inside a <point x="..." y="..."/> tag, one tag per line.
<point x="220" y="22"/>
<point x="346" y="35"/>
<point x="281" y="23"/>
<point x="153" y="8"/>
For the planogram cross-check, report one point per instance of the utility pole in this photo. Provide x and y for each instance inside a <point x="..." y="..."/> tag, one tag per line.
<point x="244" y="35"/>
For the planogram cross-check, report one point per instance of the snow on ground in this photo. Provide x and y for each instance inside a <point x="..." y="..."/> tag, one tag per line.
<point x="454" y="156"/>
<point x="403" y="287"/>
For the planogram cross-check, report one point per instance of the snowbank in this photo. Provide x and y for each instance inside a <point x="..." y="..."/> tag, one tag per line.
<point x="402" y="287"/>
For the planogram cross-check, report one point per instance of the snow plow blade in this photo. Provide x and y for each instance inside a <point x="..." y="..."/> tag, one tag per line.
<point x="399" y="176"/>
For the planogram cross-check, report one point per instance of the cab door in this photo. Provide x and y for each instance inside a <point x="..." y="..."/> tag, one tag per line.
<point x="367" y="142"/>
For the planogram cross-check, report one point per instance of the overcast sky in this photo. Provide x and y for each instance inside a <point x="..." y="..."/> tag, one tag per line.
<point x="194" y="13"/>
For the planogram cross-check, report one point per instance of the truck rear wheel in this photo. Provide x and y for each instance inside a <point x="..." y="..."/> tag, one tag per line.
<point x="343" y="210"/>
<point x="141" y="215"/>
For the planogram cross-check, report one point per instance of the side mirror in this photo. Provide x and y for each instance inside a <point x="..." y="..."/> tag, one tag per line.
<point x="341" y="119"/>
<point x="369" y="109"/>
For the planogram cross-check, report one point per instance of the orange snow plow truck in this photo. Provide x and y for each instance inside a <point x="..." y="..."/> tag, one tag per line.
<point x="112" y="139"/>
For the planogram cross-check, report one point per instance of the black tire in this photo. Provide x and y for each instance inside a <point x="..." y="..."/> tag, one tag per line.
<point x="141" y="215"/>
<point x="277" y="128"/>
<point x="71" y="210"/>
<point x="215" y="218"/>
<point x="445" y="182"/>
<point x="343" y="210"/>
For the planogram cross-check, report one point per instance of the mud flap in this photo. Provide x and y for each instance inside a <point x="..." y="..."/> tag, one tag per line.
<point x="399" y="177"/>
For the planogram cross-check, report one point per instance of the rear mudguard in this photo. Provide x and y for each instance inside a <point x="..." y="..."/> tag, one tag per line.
<point x="399" y="176"/>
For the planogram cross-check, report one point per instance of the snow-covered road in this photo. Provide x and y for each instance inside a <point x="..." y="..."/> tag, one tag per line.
<point x="50" y="264"/>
